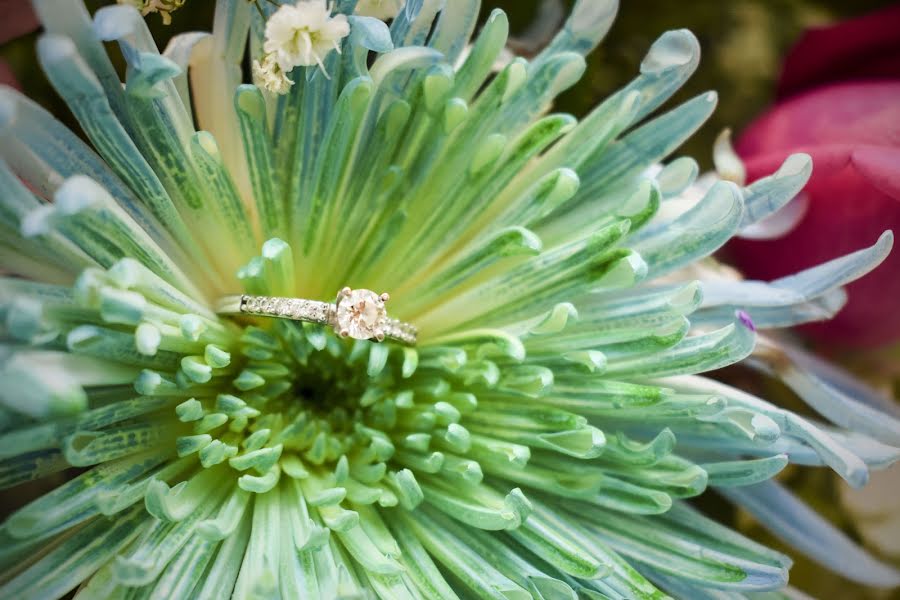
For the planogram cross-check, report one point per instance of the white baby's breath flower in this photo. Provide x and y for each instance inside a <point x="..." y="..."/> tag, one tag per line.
<point x="163" y="7"/>
<point x="302" y="34"/>
<point x="269" y="75"/>
<point x="380" y="9"/>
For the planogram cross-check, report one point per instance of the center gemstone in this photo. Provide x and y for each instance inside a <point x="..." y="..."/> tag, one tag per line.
<point x="361" y="315"/>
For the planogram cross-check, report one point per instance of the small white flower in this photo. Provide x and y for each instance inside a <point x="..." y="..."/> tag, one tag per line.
<point x="163" y="7"/>
<point x="269" y="75"/>
<point x="380" y="9"/>
<point x="303" y="34"/>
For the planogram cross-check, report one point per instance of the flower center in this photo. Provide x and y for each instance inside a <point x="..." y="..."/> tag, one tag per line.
<point x="325" y="385"/>
<point x="301" y="42"/>
<point x="303" y="400"/>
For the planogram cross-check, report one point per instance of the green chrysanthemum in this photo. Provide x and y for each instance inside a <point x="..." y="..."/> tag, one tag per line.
<point x="541" y="439"/>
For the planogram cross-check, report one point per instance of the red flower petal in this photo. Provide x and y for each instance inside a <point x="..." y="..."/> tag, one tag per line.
<point x="847" y="113"/>
<point x="16" y="19"/>
<point x="852" y="132"/>
<point x="863" y="48"/>
<point x="881" y="166"/>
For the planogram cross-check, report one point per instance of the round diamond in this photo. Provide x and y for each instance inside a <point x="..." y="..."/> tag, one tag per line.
<point x="361" y="314"/>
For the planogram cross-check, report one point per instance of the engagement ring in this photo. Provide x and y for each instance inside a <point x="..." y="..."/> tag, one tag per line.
<point x="359" y="314"/>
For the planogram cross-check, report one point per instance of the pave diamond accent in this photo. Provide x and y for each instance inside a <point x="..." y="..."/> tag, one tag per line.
<point x="291" y="308"/>
<point x="400" y="331"/>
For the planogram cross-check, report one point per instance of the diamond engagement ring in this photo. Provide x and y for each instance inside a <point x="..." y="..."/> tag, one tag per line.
<point x="359" y="314"/>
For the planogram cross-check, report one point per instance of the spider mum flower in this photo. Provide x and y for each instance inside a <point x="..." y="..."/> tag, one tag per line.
<point x="544" y="436"/>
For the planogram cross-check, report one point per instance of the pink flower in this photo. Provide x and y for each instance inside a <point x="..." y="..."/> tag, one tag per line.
<point x="16" y="19"/>
<point x="840" y="103"/>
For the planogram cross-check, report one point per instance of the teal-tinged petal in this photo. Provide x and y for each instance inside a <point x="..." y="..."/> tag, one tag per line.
<point x="51" y="383"/>
<point x="558" y="546"/>
<point x="812" y="294"/>
<point x="588" y="23"/>
<point x="700" y="231"/>
<point x="482" y="579"/>
<point x="744" y="472"/>
<point x="45" y="153"/>
<point x="81" y="205"/>
<point x="76" y="558"/>
<point x="51" y="247"/>
<point x="828" y="448"/>
<point x="259" y="569"/>
<point x="656" y="545"/>
<point x="181" y="49"/>
<point x="85" y="448"/>
<point x="767" y="195"/>
<point x="419" y="564"/>
<point x="223" y="570"/>
<point x="184" y="572"/>
<point x="676" y="176"/>
<point x="485" y="50"/>
<point x="331" y="170"/>
<point x="787" y="517"/>
<point x="149" y="556"/>
<point x="692" y="355"/>
<point x="479" y="506"/>
<point x="650" y="142"/>
<point x="454" y="27"/>
<point x="251" y="111"/>
<point x="125" y="25"/>
<point x="73" y="79"/>
<point x="75" y="23"/>
<point x="228" y="209"/>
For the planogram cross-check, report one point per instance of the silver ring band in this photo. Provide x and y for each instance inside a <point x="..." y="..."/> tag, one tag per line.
<point x="323" y="313"/>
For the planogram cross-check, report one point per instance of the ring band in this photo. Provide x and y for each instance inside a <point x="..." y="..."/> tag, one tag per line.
<point x="359" y="314"/>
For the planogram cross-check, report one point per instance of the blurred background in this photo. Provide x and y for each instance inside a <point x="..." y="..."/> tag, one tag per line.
<point x="745" y="44"/>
